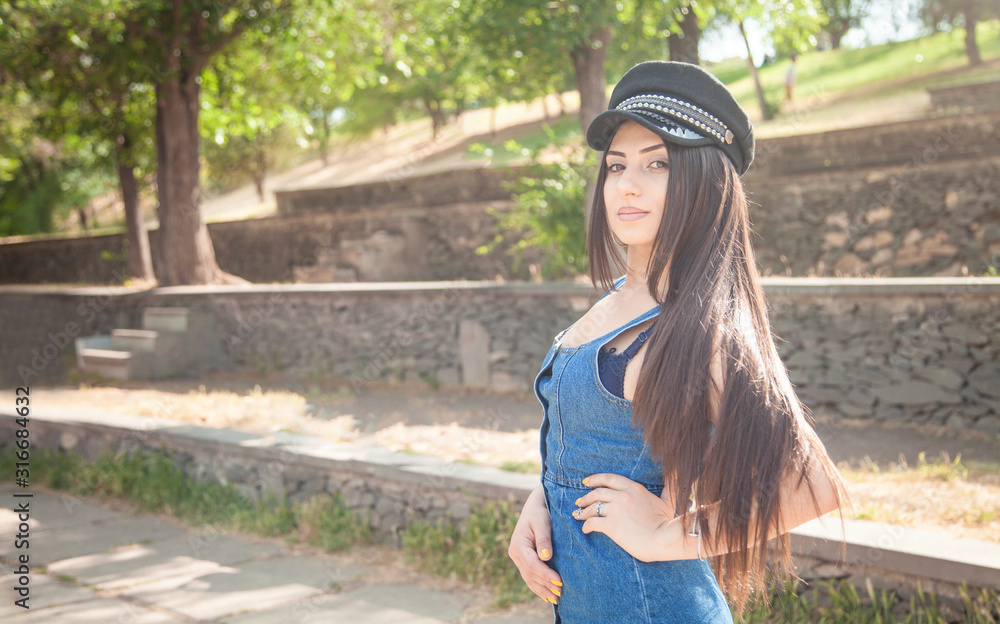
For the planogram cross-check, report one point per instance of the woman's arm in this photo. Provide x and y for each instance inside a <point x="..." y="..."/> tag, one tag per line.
<point x="531" y="546"/>
<point x="644" y="524"/>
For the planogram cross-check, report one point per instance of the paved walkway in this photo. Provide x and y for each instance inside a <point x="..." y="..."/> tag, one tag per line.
<point x="95" y="563"/>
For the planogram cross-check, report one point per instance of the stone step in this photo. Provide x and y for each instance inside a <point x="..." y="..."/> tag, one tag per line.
<point x="106" y="362"/>
<point x="139" y="340"/>
<point x="165" y="319"/>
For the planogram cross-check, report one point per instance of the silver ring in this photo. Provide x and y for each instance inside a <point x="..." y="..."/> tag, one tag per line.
<point x="600" y="509"/>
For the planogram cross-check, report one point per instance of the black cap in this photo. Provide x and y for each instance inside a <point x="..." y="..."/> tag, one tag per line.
<point x="683" y="104"/>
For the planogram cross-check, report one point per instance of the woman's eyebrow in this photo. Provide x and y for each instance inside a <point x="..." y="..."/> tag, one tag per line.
<point x="642" y="151"/>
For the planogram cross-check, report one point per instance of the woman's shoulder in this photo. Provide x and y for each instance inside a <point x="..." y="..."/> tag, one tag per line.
<point x="617" y="284"/>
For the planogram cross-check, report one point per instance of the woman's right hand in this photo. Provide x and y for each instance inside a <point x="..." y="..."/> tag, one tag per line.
<point x="531" y="547"/>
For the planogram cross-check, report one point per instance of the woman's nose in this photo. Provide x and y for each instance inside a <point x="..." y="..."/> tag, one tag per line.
<point x="627" y="182"/>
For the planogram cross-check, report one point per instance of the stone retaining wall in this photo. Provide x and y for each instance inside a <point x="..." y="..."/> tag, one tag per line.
<point x="915" y="350"/>
<point x="394" y="490"/>
<point x="368" y="244"/>
<point x="913" y="198"/>
<point x="983" y="96"/>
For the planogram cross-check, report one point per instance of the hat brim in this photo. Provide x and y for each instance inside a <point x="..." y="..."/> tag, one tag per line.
<point x="602" y="130"/>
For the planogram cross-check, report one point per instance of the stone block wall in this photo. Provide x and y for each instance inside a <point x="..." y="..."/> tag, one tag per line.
<point x="930" y="219"/>
<point x="982" y="96"/>
<point x="913" y="198"/>
<point x="914" y="350"/>
<point x="369" y="244"/>
<point x="388" y="490"/>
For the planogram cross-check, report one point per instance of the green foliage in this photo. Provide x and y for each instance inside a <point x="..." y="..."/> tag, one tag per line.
<point x="325" y="522"/>
<point x="830" y="602"/>
<point x="548" y="215"/>
<point x="528" y="467"/>
<point x="153" y="482"/>
<point x="476" y="551"/>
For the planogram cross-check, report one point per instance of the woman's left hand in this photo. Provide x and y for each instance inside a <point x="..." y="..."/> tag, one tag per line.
<point x="632" y="516"/>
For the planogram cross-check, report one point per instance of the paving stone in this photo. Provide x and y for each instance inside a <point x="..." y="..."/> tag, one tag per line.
<point x="47" y="547"/>
<point x="192" y="554"/>
<point x="46" y="591"/>
<point x="49" y="511"/>
<point x="375" y="604"/>
<point x="229" y="590"/>
<point x="102" y="611"/>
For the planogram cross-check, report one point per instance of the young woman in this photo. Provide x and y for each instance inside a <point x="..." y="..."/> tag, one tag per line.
<point x="695" y="448"/>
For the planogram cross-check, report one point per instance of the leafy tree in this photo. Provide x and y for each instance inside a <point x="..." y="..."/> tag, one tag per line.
<point x="320" y="63"/>
<point x="547" y="215"/>
<point x="92" y="96"/>
<point x="178" y="38"/>
<point x="790" y="24"/>
<point x="940" y="14"/>
<point x="842" y="16"/>
<point x="685" y="33"/>
<point x="246" y="115"/>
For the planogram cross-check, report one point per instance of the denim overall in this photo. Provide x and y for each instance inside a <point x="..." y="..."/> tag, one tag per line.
<point x="586" y="430"/>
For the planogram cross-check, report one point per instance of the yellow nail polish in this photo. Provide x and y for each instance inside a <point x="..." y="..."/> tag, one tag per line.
<point x="545" y="553"/>
<point x="585" y="481"/>
<point x="578" y="502"/>
<point x="557" y="582"/>
<point x="556" y="592"/>
<point x="549" y="600"/>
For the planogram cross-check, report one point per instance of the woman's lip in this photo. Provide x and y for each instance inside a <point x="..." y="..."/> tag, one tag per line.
<point x="627" y="211"/>
<point x="631" y="216"/>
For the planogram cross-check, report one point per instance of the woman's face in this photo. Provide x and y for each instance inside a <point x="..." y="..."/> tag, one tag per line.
<point x="635" y="189"/>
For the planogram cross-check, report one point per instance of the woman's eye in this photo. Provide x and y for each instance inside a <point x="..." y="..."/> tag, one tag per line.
<point x="615" y="167"/>
<point x="658" y="164"/>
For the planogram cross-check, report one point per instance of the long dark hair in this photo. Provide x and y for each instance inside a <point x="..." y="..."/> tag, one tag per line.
<point x="714" y="301"/>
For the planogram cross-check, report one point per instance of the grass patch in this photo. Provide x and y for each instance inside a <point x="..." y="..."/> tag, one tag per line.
<point x="504" y="153"/>
<point x="152" y="482"/>
<point x="528" y="467"/>
<point x="840" y="602"/>
<point x="834" y="72"/>
<point x="476" y="551"/>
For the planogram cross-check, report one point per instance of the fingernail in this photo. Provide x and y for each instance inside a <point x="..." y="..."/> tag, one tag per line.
<point x="585" y="480"/>
<point x="576" y="513"/>
<point x="557" y="582"/>
<point x="545" y="553"/>
<point x="556" y="591"/>
<point x="549" y="600"/>
<point x="578" y="502"/>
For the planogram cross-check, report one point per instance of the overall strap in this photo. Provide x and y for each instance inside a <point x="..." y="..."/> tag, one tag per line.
<point x="632" y="348"/>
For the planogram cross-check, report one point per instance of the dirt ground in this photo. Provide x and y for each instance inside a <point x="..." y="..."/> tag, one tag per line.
<point x="882" y="464"/>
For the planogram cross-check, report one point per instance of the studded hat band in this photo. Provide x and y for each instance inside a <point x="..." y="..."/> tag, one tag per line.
<point x="661" y="106"/>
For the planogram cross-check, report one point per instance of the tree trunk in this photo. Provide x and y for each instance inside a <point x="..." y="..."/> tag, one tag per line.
<point x="835" y="37"/>
<point x="753" y="73"/>
<point x="259" y="174"/>
<point x="971" y="47"/>
<point x="684" y="46"/>
<point x="184" y="253"/>
<point x="324" y="138"/>
<point x="140" y="261"/>
<point x="588" y="65"/>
